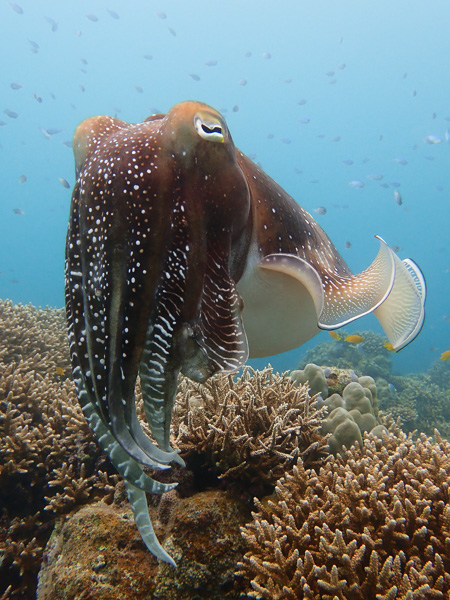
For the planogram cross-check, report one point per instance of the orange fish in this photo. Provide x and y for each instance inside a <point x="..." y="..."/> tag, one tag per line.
<point x="335" y="335"/>
<point x="445" y="355"/>
<point x="354" y="339"/>
<point x="389" y="346"/>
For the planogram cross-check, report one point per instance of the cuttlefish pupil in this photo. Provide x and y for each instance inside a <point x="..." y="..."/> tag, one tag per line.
<point x="221" y="268"/>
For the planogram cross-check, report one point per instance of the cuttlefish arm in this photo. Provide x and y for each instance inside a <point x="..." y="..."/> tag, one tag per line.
<point x="297" y="283"/>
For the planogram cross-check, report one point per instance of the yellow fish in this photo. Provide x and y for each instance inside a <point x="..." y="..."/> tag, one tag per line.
<point x="335" y="335"/>
<point x="60" y="371"/>
<point x="354" y="339"/>
<point x="445" y="355"/>
<point x="389" y="346"/>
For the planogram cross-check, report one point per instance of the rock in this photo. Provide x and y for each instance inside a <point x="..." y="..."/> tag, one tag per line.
<point x="97" y="553"/>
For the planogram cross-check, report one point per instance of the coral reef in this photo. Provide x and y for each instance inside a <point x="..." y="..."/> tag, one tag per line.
<point x="249" y="430"/>
<point x="370" y="357"/>
<point x="49" y="461"/>
<point x="366" y="526"/>
<point x="315" y="377"/>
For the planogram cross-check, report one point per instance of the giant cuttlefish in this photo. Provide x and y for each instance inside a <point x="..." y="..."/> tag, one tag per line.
<point x="183" y="256"/>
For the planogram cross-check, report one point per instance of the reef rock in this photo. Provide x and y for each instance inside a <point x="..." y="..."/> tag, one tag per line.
<point x="97" y="552"/>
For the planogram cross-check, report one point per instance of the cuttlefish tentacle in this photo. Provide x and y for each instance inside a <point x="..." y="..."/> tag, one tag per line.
<point x="183" y="256"/>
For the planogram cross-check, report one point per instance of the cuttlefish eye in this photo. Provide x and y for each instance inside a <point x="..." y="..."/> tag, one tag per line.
<point x="209" y="127"/>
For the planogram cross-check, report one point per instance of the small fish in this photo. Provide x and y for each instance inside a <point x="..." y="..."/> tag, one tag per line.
<point x="347" y="161"/>
<point x="139" y="89"/>
<point x="64" y="182"/>
<point x="2" y="123"/>
<point x="113" y="14"/>
<point x="433" y="139"/>
<point x="53" y="130"/>
<point x="447" y="135"/>
<point x="395" y="249"/>
<point x="10" y="113"/>
<point x="22" y="178"/>
<point x="334" y="335"/>
<point x="348" y="244"/>
<point x="266" y="55"/>
<point x="397" y="198"/>
<point x="81" y="86"/>
<point x="401" y="161"/>
<point x="354" y="339"/>
<point x="243" y="82"/>
<point x="392" y="390"/>
<point x="60" y="371"/>
<point x="302" y="101"/>
<point x="194" y="76"/>
<point x="37" y="98"/>
<point x="211" y="63"/>
<point x="148" y="57"/>
<point x="16" y="8"/>
<point x="286" y="140"/>
<point x="320" y="210"/>
<point x="92" y="17"/>
<point x="394" y="184"/>
<point x="356" y="183"/>
<point x="375" y="176"/>
<point x="336" y="139"/>
<point x="18" y="211"/>
<point x="67" y="143"/>
<point x="341" y="67"/>
<point x="15" y="86"/>
<point x="445" y="355"/>
<point x="53" y="24"/>
<point x="172" y="31"/>
<point x="304" y="120"/>
<point x="161" y="15"/>
<point x="389" y="346"/>
<point x="236" y="108"/>
<point x="34" y="45"/>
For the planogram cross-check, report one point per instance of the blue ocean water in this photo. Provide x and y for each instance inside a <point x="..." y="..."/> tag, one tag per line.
<point x="320" y="93"/>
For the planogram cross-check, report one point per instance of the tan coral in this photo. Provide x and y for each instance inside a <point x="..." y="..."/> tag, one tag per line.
<point x="252" y="428"/>
<point x="370" y="526"/>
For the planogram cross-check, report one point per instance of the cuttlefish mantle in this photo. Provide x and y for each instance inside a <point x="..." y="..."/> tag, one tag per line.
<point x="183" y="256"/>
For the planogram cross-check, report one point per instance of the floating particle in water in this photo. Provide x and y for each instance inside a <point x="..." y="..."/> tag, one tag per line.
<point x="433" y="139"/>
<point x="356" y="183"/>
<point x="397" y="198"/>
<point x="320" y="210"/>
<point x="15" y="86"/>
<point x="347" y="161"/>
<point x="375" y="176"/>
<point x="112" y="13"/>
<point x="92" y="17"/>
<point x="10" y="113"/>
<point x="18" y="211"/>
<point x="64" y="182"/>
<point x="16" y="8"/>
<point x="194" y="76"/>
<point x="161" y="15"/>
<point x="211" y="63"/>
<point x="22" y="178"/>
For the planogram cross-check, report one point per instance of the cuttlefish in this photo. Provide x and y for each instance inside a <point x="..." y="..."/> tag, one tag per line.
<point x="183" y="256"/>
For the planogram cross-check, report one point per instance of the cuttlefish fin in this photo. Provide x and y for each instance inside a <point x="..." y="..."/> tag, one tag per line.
<point x="87" y="136"/>
<point x="402" y="313"/>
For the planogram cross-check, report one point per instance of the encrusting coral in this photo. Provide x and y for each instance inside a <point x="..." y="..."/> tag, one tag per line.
<point x="371" y="525"/>
<point x="251" y="429"/>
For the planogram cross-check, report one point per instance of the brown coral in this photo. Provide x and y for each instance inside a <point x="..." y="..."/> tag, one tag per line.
<point x="372" y="526"/>
<point x="49" y="461"/>
<point x="250" y="429"/>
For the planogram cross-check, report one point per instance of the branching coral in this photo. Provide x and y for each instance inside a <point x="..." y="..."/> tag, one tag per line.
<point x="371" y="526"/>
<point x="250" y="429"/>
<point x="49" y="461"/>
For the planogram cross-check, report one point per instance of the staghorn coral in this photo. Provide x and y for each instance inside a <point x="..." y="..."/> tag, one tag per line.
<point x="372" y="526"/>
<point x="49" y="461"/>
<point x="249" y="430"/>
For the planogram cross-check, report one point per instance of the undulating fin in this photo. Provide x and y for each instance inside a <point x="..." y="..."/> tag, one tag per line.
<point x="349" y="297"/>
<point x="138" y="503"/>
<point x="402" y="313"/>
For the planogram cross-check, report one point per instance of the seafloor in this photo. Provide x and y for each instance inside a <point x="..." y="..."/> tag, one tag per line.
<point x="339" y="492"/>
